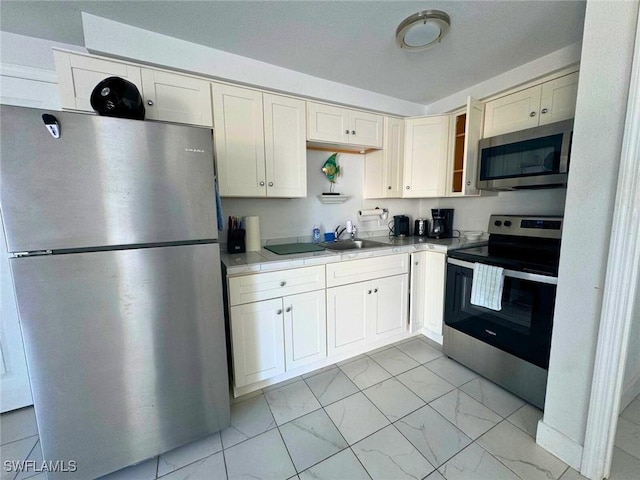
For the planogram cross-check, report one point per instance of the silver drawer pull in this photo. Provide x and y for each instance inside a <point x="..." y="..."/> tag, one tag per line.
<point x="282" y="284"/>
<point x="288" y="309"/>
<point x="279" y="312"/>
<point x="375" y="290"/>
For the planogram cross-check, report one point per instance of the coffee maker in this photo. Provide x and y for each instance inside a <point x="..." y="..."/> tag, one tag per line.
<point x="442" y="223"/>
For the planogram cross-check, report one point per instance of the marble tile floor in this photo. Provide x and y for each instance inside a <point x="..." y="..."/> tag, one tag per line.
<point x="400" y="412"/>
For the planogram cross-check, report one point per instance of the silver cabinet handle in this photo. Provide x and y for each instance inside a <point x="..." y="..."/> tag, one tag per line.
<point x="288" y="309"/>
<point x="369" y="292"/>
<point x="353" y="132"/>
<point x="282" y="284"/>
<point x="544" y="110"/>
<point x="389" y="187"/>
<point x="150" y="102"/>
<point x="468" y="183"/>
<point x="408" y="187"/>
<point x="262" y="184"/>
<point x="347" y="132"/>
<point x="416" y="263"/>
<point x="375" y="290"/>
<point x="532" y="114"/>
<point x="271" y="184"/>
<point x="279" y="312"/>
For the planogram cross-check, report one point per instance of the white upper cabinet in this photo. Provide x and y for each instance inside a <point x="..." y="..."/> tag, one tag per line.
<point x="173" y="97"/>
<point x="239" y="141"/>
<point x="260" y="143"/>
<point x="426" y="156"/>
<point x="331" y="124"/>
<point x="285" y="146"/>
<point x="383" y="168"/>
<point x="167" y="96"/>
<point x="79" y="74"/>
<point x="548" y="102"/>
<point x="466" y="128"/>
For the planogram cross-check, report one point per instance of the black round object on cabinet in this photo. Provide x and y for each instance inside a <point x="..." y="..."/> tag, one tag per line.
<point x="117" y="97"/>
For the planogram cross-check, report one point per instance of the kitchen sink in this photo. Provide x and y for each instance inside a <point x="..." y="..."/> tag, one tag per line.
<point x="356" y="244"/>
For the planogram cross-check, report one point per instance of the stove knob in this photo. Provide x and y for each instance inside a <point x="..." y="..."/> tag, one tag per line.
<point x="507" y="223"/>
<point x="497" y="223"/>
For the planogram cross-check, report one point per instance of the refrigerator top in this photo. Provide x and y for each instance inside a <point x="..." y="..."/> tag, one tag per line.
<point x="104" y="182"/>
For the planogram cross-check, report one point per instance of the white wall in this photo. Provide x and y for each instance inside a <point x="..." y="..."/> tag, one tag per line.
<point x="600" y="115"/>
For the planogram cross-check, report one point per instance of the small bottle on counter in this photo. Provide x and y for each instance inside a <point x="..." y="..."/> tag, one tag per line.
<point x="316" y="234"/>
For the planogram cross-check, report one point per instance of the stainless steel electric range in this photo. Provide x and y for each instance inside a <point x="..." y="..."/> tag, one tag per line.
<point x="509" y="345"/>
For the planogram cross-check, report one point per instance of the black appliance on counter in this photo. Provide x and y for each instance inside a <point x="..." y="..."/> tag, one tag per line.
<point x="511" y="346"/>
<point x="421" y="227"/>
<point x="442" y="223"/>
<point x="400" y="226"/>
<point x="117" y="97"/>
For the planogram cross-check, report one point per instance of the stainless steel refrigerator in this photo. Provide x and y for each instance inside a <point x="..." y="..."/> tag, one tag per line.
<point x="111" y="229"/>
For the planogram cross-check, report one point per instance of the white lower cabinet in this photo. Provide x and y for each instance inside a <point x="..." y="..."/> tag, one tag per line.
<point x="428" y="270"/>
<point x="365" y="312"/>
<point x="258" y="341"/>
<point x="305" y="329"/>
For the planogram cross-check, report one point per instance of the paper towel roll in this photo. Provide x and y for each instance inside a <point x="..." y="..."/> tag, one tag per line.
<point x="370" y="212"/>
<point x="252" y="226"/>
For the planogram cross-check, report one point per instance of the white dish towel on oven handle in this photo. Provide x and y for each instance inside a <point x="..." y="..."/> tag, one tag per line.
<point x="487" y="285"/>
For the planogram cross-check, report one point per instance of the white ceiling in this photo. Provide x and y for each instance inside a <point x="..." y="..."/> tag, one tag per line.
<point x="348" y="42"/>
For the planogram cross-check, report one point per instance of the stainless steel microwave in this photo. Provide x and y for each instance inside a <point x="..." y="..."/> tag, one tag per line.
<point x="533" y="158"/>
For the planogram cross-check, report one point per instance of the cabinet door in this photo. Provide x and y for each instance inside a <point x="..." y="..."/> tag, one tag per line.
<point x="285" y="146"/>
<point x="78" y="75"/>
<point x="463" y="159"/>
<point x="172" y="97"/>
<point x="365" y="129"/>
<point x="512" y="112"/>
<point x="326" y="123"/>
<point x="305" y="328"/>
<point x="239" y="135"/>
<point x="347" y="309"/>
<point x="434" y="265"/>
<point x="257" y="339"/>
<point x="391" y="298"/>
<point x="558" y="100"/>
<point x="425" y="159"/>
<point x="383" y="168"/>
<point x="417" y="292"/>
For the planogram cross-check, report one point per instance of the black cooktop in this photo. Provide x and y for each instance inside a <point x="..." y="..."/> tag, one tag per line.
<point x="531" y="262"/>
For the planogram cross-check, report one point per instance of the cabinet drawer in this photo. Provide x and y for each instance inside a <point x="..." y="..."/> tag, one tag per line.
<point x="262" y="286"/>
<point x="365" y="269"/>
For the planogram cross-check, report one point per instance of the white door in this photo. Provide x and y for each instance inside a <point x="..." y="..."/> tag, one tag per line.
<point x="394" y="157"/>
<point x="14" y="377"/>
<point x="305" y="328"/>
<point x="285" y="146"/>
<point x="365" y="129"/>
<point x="512" y="112"/>
<point x="78" y="75"/>
<point x="257" y="339"/>
<point x="558" y="100"/>
<point x="326" y="123"/>
<point x="391" y="298"/>
<point x="374" y="173"/>
<point x="172" y="97"/>
<point x="426" y="156"/>
<point x="473" y="132"/>
<point x="347" y="309"/>
<point x="434" y="265"/>
<point x="417" y="292"/>
<point x="239" y="141"/>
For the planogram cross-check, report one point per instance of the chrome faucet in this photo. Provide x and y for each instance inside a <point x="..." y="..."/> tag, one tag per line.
<point x="354" y="230"/>
<point x="339" y="231"/>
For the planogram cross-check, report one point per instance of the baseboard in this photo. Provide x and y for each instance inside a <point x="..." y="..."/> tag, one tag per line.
<point x="630" y="392"/>
<point x="431" y="335"/>
<point x="566" y="449"/>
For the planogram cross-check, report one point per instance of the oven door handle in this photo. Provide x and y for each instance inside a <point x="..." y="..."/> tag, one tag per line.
<point x="533" y="277"/>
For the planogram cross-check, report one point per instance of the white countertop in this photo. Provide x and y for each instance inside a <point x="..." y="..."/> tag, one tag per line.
<point x="264" y="260"/>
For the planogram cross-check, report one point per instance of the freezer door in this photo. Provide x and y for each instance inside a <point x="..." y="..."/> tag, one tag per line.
<point x="126" y="352"/>
<point x="105" y="181"/>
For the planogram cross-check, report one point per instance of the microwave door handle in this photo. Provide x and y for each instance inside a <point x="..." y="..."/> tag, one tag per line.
<point x="564" y="151"/>
<point x="532" y="277"/>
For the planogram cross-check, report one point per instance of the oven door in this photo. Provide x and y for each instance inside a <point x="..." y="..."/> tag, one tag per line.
<point x="523" y="326"/>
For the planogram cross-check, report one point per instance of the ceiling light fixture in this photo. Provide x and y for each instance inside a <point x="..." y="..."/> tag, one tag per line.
<point x="422" y="30"/>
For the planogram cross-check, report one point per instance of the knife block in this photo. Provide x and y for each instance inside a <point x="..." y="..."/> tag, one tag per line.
<point x="236" y="241"/>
